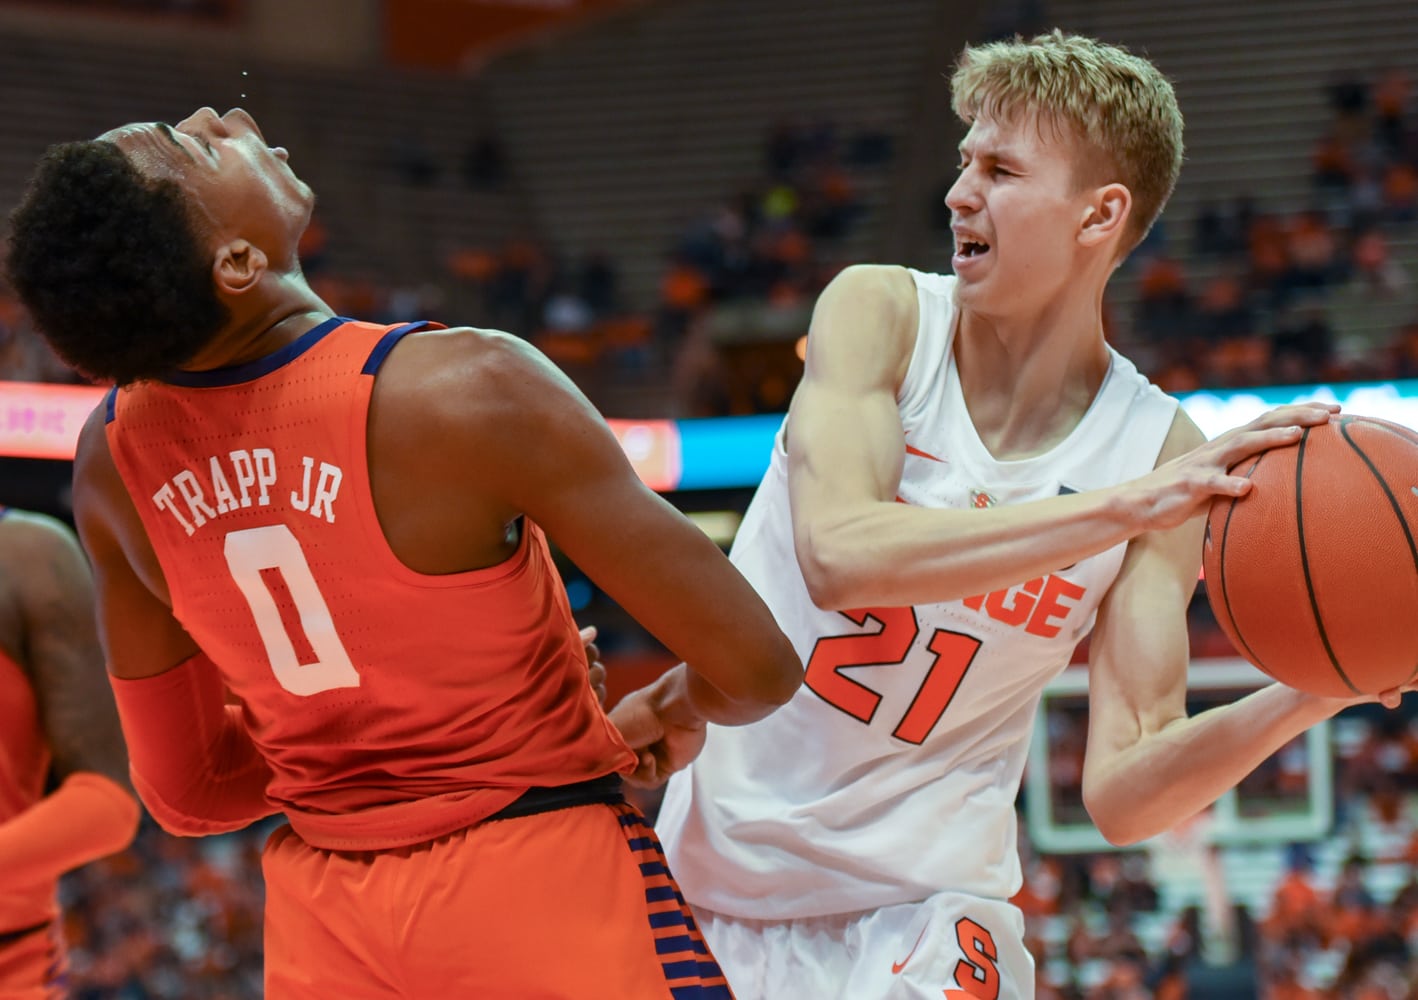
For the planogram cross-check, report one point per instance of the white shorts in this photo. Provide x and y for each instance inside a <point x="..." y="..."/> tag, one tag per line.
<point x="952" y="946"/>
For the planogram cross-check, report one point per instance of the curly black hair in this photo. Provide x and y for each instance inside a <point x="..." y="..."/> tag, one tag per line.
<point x="111" y="267"/>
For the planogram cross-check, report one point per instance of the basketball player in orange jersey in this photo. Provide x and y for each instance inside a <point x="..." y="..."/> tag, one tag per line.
<point x="344" y="525"/>
<point x="968" y="479"/>
<point x="64" y="797"/>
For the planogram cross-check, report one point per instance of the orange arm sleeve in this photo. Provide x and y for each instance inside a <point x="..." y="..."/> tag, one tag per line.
<point x="192" y="761"/>
<point x="84" y="819"/>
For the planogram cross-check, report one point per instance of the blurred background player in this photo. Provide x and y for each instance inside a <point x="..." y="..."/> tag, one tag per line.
<point x="64" y="797"/>
<point x="968" y="478"/>
<point x="343" y="523"/>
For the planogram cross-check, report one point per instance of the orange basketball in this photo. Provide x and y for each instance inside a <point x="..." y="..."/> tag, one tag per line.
<point x="1314" y="573"/>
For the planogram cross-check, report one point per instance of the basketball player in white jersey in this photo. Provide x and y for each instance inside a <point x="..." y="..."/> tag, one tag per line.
<point x="969" y="480"/>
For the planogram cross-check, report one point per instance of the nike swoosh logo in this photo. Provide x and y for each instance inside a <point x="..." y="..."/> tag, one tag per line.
<point x="896" y="967"/>
<point x="910" y="450"/>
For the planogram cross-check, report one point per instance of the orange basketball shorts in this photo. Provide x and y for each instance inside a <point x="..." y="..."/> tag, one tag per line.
<point x="575" y="903"/>
<point x="33" y="964"/>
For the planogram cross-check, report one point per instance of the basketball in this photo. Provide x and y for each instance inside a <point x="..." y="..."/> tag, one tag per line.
<point x="1313" y="574"/>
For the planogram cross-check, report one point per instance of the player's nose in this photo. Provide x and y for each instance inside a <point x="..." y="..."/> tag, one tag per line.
<point x="962" y="196"/>
<point x="240" y="118"/>
<point x="201" y="122"/>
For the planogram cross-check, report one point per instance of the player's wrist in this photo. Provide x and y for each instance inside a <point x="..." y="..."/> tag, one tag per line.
<point x="1131" y="505"/>
<point x="673" y="700"/>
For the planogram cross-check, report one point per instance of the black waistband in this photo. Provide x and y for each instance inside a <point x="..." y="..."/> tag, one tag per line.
<point x="10" y="937"/>
<point x="584" y="793"/>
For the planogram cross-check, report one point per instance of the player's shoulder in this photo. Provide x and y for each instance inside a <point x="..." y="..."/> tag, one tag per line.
<point x="463" y="361"/>
<point x="465" y="378"/>
<point x="28" y="535"/>
<point x="887" y="287"/>
<point x="864" y="326"/>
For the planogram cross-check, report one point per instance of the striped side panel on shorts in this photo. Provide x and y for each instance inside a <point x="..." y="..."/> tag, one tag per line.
<point x="690" y="971"/>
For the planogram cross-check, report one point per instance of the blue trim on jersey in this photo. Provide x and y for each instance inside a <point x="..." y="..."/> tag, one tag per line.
<point x="237" y="374"/>
<point x="386" y="344"/>
<point x="110" y="405"/>
<point x="701" y="993"/>
<point x="675" y="945"/>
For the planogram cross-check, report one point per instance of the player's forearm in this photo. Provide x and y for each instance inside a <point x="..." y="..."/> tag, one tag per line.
<point x="1171" y="775"/>
<point x="192" y="760"/>
<point x="684" y="698"/>
<point x="893" y="555"/>
<point x="86" y="818"/>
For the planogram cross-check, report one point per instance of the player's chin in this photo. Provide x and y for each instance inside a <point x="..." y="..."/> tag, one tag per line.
<point x="977" y="292"/>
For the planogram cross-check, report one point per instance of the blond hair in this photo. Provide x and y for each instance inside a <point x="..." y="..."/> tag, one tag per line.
<point x="1117" y="103"/>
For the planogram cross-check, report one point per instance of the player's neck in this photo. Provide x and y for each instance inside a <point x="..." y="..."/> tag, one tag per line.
<point x="263" y="325"/>
<point x="1028" y="379"/>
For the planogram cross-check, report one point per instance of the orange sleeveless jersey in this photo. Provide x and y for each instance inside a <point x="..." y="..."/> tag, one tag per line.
<point x="393" y="707"/>
<point x="24" y="765"/>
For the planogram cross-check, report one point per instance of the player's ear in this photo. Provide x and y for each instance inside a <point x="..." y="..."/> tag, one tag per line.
<point x="1105" y="215"/>
<point x="238" y="267"/>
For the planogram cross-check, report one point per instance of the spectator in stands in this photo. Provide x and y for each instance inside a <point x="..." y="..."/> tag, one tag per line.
<point x="1403" y="352"/>
<point x="1391" y="94"/>
<point x="484" y="163"/>
<point x="599" y="284"/>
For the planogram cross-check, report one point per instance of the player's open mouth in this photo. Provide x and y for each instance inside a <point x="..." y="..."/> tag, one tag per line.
<point x="970" y="248"/>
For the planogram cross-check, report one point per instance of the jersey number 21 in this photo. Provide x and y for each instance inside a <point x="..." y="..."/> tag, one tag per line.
<point x="896" y="635"/>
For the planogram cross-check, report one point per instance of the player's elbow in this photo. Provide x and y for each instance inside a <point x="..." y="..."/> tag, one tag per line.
<point x="831" y="569"/>
<point x="1119" y="834"/>
<point x="199" y="811"/>
<point x="781" y="674"/>
<point x="123" y="830"/>
<point x="1120" y="826"/>
<point x="768" y="677"/>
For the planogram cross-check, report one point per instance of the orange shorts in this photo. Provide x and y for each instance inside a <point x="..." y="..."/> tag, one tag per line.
<point x="33" y="964"/>
<point x="575" y="903"/>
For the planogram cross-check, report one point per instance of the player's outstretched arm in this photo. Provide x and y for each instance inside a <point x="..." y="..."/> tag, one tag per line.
<point x="515" y="433"/>
<point x="859" y="548"/>
<point x="92" y="812"/>
<point x="191" y="759"/>
<point x="1148" y="766"/>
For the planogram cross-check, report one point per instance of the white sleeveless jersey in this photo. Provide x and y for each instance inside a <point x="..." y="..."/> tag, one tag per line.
<point x="892" y="773"/>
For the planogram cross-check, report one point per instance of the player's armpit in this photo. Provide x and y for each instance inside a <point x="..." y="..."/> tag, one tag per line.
<point x="193" y="762"/>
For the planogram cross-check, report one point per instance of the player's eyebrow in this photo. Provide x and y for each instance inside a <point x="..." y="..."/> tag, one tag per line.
<point x="166" y="130"/>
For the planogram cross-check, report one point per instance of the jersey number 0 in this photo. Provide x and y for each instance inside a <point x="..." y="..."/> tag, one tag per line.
<point x="273" y="547"/>
<point x="953" y="652"/>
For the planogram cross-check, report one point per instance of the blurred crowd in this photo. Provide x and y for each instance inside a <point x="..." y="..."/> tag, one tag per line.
<point x="1256" y="298"/>
<point x="1252" y="300"/>
<point x="1339" y="921"/>
<point x="169" y="919"/>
